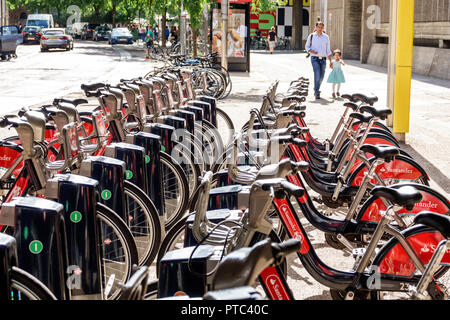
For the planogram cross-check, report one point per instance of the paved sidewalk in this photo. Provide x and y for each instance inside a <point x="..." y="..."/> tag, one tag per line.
<point x="429" y="137"/>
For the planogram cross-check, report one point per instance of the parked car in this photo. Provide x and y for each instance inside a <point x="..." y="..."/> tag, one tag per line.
<point x="121" y="35"/>
<point x="102" y="33"/>
<point x="87" y="32"/>
<point x="10" y="38"/>
<point x="56" y="38"/>
<point x="40" y="20"/>
<point x="75" y="29"/>
<point x="32" y="34"/>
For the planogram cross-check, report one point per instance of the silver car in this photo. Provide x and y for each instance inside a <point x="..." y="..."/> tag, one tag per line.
<point x="56" y="38"/>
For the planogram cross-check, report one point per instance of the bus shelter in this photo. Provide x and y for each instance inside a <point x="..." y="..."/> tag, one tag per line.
<point x="238" y="35"/>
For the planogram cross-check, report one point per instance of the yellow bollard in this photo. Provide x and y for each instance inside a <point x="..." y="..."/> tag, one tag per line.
<point x="401" y="74"/>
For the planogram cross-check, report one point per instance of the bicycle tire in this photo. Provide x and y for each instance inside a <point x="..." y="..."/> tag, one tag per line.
<point x="229" y="126"/>
<point x="185" y="159"/>
<point x="124" y="235"/>
<point x="147" y="248"/>
<point x="218" y="145"/>
<point x="177" y="171"/>
<point x="30" y="286"/>
<point x="173" y="235"/>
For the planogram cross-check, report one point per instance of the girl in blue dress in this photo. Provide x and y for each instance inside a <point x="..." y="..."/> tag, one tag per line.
<point x="336" y="76"/>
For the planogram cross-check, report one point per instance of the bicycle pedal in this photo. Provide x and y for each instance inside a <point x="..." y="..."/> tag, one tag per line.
<point x="326" y="213"/>
<point x="358" y="252"/>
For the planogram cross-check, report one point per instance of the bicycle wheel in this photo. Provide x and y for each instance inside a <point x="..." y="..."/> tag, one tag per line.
<point x="25" y="286"/>
<point x="176" y="190"/>
<point x="173" y="240"/>
<point x="213" y="135"/>
<point x="186" y="160"/>
<point x="118" y="250"/>
<point x="144" y="223"/>
<point x="225" y="127"/>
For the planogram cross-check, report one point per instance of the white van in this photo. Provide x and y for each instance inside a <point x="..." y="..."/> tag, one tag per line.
<point x="40" y="20"/>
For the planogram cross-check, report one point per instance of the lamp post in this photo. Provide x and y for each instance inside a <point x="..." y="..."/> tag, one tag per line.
<point x="183" y="29"/>
<point x="224" y="8"/>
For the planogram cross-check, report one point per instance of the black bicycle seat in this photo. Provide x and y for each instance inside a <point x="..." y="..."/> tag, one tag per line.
<point x="74" y="102"/>
<point x="381" y="151"/>
<point x="348" y="97"/>
<point x="361" y="117"/>
<point x="405" y="196"/>
<point x="92" y="87"/>
<point x="366" y="99"/>
<point x="436" y="221"/>
<point x="379" y="112"/>
<point x="352" y="105"/>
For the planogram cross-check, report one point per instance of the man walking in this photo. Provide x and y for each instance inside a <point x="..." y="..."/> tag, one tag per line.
<point x="318" y="46"/>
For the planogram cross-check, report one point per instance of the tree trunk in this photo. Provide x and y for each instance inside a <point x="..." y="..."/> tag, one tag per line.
<point x="297" y="25"/>
<point x="194" y="41"/>
<point x="163" y="28"/>
<point x="113" y="14"/>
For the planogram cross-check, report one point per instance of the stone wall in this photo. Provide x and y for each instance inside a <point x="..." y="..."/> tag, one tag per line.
<point x="351" y="47"/>
<point x="427" y="61"/>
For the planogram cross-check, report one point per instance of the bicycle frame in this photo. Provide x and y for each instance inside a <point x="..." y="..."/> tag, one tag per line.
<point x="358" y="279"/>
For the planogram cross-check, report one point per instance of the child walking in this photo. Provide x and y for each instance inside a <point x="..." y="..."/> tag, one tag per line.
<point x="336" y="76"/>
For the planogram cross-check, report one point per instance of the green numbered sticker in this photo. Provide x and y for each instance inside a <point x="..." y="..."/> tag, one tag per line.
<point x="129" y="174"/>
<point x="36" y="247"/>
<point x="147" y="159"/>
<point x="106" y="194"/>
<point x="76" y="216"/>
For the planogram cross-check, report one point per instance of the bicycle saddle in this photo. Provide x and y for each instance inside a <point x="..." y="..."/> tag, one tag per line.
<point x="381" y="151"/>
<point x="405" y="196"/>
<point x="349" y="97"/>
<point x="366" y="99"/>
<point x="436" y="221"/>
<point x="92" y="87"/>
<point x="379" y="112"/>
<point x="361" y="117"/>
<point x="351" y="105"/>
<point x="242" y="267"/>
<point x="281" y="170"/>
<point x="74" y="102"/>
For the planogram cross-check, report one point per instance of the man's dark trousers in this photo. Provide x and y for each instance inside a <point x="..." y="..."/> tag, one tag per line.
<point x="319" y="67"/>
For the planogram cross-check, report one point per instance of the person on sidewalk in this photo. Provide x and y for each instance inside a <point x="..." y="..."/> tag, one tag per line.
<point x="272" y="39"/>
<point x="318" y="46"/>
<point x="149" y="42"/>
<point x="336" y="76"/>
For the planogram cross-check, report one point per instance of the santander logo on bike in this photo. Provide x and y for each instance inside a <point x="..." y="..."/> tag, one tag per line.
<point x="276" y="288"/>
<point x="292" y="225"/>
<point x="395" y="170"/>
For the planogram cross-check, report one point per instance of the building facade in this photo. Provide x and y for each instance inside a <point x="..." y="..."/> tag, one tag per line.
<point x="360" y="28"/>
<point x="282" y="19"/>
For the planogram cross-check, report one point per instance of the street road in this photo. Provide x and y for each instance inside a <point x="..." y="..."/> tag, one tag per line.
<point x="35" y="77"/>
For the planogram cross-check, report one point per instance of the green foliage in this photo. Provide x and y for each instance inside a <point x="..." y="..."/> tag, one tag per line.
<point x="264" y="5"/>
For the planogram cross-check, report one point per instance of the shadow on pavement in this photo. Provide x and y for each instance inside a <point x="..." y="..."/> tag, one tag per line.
<point x="435" y="174"/>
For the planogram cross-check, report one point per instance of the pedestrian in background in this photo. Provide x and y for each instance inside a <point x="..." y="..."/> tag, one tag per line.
<point x="336" y="76"/>
<point x="156" y="33"/>
<point x="272" y="39"/>
<point x="167" y="32"/>
<point x="149" y="42"/>
<point x="318" y="46"/>
<point x="142" y="33"/>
